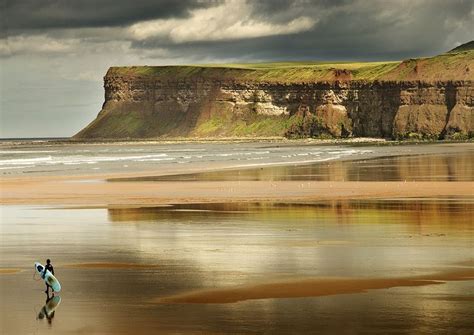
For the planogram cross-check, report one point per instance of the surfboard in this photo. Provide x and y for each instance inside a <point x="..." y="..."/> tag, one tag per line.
<point x="48" y="277"/>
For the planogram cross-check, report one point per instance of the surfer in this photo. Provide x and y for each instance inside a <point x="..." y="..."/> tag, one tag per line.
<point x="49" y="267"/>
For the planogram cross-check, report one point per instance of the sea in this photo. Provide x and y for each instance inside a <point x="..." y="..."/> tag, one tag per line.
<point x="50" y="157"/>
<point x="43" y="157"/>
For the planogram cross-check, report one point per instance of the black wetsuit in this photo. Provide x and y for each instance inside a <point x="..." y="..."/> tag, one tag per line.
<point x="51" y="269"/>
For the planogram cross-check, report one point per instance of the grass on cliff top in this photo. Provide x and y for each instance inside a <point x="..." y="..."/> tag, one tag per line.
<point x="454" y="65"/>
<point x="449" y="66"/>
<point x="282" y="71"/>
<point x="464" y="47"/>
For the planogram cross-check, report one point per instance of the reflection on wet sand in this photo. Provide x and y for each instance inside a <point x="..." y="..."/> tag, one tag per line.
<point x="49" y="308"/>
<point x="439" y="167"/>
<point x="399" y="211"/>
<point x="131" y="266"/>
<point x="309" y="288"/>
<point x="280" y="261"/>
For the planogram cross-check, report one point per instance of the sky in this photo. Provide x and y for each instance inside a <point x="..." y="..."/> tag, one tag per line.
<point x="54" y="53"/>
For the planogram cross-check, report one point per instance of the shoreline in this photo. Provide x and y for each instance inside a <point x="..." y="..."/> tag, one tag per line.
<point x="187" y="140"/>
<point x="206" y="167"/>
<point x="120" y="188"/>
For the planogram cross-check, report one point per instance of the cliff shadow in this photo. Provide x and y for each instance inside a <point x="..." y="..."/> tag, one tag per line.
<point x="373" y="107"/>
<point x="450" y="97"/>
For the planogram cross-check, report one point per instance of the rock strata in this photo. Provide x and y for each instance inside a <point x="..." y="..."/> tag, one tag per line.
<point x="150" y="106"/>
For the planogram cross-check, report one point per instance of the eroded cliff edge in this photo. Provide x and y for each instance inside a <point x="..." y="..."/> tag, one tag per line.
<point x="423" y="98"/>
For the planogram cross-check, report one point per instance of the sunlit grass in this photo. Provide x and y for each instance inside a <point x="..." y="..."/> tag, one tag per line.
<point x="453" y="64"/>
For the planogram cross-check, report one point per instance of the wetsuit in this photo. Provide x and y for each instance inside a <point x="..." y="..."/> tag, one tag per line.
<point x="51" y="269"/>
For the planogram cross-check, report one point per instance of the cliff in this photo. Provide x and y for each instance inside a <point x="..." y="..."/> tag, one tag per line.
<point x="416" y="98"/>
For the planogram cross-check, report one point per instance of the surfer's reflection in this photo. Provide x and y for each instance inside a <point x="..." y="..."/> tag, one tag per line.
<point x="47" y="311"/>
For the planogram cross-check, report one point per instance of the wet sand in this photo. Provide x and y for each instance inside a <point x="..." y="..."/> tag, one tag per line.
<point x="423" y="175"/>
<point x="266" y="267"/>
<point x="53" y="192"/>
<point x="130" y="266"/>
<point x="369" y="247"/>
<point x="316" y="287"/>
<point x="9" y="271"/>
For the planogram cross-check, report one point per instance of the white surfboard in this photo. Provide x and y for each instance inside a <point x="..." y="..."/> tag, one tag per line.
<point x="48" y="277"/>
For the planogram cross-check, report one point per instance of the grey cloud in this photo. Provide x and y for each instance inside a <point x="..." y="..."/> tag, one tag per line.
<point x="33" y="15"/>
<point x="363" y="29"/>
<point x="281" y="10"/>
<point x="360" y="30"/>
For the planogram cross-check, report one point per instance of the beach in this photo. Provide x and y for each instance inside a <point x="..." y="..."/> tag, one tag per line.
<point x="333" y="173"/>
<point x="52" y="192"/>
<point x="327" y="238"/>
<point x="237" y="167"/>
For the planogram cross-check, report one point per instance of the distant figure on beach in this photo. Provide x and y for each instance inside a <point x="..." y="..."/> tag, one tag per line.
<point x="49" y="267"/>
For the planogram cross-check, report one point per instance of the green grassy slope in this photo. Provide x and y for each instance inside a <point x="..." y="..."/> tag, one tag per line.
<point x="463" y="47"/>
<point x="448" y="66"/>
<point x="268" y="72"/>
<point x="458" y="64"/>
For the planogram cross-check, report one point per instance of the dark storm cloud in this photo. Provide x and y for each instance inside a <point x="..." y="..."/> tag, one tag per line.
<point x="337" y="29"/>
<point x="280" y="9"/>
<point x="37" y="15"/>
<point x="344" y="30"/>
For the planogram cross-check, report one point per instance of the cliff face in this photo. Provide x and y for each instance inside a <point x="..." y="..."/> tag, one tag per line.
<point x="140" y="107"/>
<point x="208" y="103"/>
